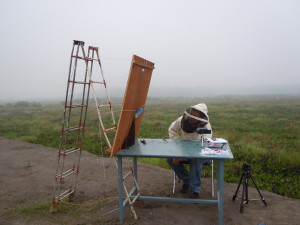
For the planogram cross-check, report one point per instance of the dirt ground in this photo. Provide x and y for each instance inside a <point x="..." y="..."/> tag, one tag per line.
<point x="27" y="176"/>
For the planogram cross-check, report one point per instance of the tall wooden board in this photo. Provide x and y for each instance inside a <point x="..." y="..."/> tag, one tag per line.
<point x="134" y="98"/>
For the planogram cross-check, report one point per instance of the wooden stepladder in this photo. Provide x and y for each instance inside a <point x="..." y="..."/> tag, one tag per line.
<point x="103" y="105"/>
<point x="74" y="120"/>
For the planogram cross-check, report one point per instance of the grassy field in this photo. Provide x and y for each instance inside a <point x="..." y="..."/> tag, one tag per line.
<point x="262" y="131"/>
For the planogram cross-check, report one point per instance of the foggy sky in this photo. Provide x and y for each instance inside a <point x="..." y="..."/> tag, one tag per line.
<point x="226" y="45"/>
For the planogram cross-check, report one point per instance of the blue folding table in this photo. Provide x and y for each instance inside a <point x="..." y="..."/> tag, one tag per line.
<point x="172" y="148"/>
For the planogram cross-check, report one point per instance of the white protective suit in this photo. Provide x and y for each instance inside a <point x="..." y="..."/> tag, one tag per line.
<point x="176" y="132"/>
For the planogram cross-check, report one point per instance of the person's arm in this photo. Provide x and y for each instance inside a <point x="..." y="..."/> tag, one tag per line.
<point x="174" y="133"/>
<point x="174" y="129"/>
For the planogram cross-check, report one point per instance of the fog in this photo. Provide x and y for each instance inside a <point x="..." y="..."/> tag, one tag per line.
<point x="200" y="48"/>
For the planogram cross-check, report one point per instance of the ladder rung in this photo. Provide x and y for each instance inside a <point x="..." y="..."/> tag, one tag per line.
<point x="69" y="151"/>
<point x="75" y="106"/>
<point x="72" y="129"/>
<point x="109" y="129"/>
<point x="78" y="57"/>
<point x="78" y="82"/>
<point x="66" y="173"/>
<point x="66" y="193"/>
<point x="101" y="106"/>
<point x="97" y="82"/>
<point x="88" y="58"/>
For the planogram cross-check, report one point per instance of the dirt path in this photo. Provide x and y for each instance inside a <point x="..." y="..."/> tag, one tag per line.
<point x="27" y="173"/>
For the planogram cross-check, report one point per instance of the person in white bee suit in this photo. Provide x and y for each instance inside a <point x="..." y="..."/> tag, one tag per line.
<point x="185" y="127"/>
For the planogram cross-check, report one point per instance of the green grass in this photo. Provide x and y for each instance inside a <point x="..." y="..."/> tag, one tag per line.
<point x="40" y="209"/>
<point x="263" y="132"/>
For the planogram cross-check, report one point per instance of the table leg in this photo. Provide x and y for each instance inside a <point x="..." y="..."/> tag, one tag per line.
<point x="135" y="173"/>
<point x="120" y="189"/>
<point x="221" y="190"/>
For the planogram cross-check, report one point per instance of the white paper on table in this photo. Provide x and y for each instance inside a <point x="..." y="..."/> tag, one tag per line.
<point x="216" y="140"/>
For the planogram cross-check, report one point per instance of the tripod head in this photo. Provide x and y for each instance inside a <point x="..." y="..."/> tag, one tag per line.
<point x="246" y="167"/>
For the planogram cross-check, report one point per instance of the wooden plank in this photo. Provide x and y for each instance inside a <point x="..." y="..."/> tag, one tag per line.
<point x="135" y="97"/>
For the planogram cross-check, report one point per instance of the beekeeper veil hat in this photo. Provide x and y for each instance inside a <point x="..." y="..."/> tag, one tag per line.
<point x="194" y="117"/>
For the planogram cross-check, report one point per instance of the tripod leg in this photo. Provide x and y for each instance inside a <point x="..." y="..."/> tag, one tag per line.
<point x="246" y="191"/>
<point x="237" y="190"/>
<point x="243" y="196"/>
<point x="261" y="197"/>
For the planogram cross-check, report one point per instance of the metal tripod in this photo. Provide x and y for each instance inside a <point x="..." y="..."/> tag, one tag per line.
<point x="245" y="176"/>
